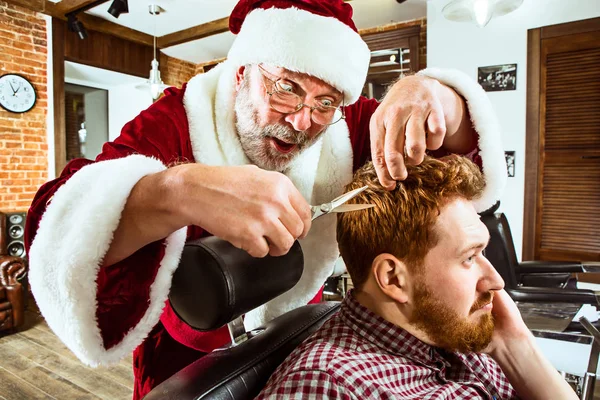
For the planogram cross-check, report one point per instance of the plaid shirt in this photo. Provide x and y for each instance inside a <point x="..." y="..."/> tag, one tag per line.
<point x="359" y="355"/>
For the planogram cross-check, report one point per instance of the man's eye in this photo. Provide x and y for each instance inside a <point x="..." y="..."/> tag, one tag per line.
<point x="470" y="260"/>
<point x="325" y="103"/>
<point x="285" y="86"/>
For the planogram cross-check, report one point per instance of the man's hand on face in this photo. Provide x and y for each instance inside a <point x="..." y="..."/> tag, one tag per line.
<point x="409" y="120"/>
<point x="259" y="211"/>
<point x="508" y="324"/>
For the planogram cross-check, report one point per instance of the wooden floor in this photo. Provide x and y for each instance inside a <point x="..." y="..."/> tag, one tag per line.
<point x="34" y="364"/>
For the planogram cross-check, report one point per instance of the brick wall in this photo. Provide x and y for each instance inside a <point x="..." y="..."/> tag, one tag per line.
<point x="175" y="72"/>
<point x="23" y="145"/>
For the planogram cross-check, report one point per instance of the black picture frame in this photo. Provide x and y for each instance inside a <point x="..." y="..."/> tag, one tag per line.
<point x="498" y="78"/>
<point x="509" y="156"/>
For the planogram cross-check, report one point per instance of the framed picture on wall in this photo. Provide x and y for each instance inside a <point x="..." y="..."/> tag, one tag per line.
<point x="497" y="78"/>
<point x="510" y="163"/>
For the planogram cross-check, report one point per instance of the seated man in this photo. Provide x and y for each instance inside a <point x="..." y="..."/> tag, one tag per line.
<point x="428" y="317"/>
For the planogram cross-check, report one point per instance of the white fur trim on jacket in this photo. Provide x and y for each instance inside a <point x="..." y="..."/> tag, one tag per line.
<point x="301" y="41"/>
<point x="487" y="126"/>
<point x="74" y="235"/>
<point x="319" y="173"/>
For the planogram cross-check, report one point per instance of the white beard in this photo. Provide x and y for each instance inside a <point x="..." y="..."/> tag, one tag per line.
<point x="255" y="140"/>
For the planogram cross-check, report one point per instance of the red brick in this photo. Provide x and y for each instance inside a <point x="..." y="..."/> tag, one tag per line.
<point x="10" y="136"/>
<point x="13" y="51"/>
<point x="10" y="145"/>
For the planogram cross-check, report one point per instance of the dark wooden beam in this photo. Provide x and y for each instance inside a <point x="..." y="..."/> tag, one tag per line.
<point x="66" y="6"/>
<point x="43" y="6"/>
<point x="89" y="21"/>
<point x="58" y="91"/>
<point x="110" y="28"/>
<point x="194" y="33"/>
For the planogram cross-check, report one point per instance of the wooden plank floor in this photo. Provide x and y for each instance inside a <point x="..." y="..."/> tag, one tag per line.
<point x="34" y="364"/>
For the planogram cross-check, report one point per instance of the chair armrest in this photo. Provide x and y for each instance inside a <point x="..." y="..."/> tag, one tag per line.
<point x="553" y="295"/>
<point x="11" y="269"/>
<point x="539" y="267"/>
<point x="549" y="280"/>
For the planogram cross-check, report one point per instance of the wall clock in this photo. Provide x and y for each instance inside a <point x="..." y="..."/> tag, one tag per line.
<point x="16" y="93"/>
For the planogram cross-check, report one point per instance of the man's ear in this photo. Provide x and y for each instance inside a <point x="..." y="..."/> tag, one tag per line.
<point x="391" y="276"/>
<point x="239" y="77"/>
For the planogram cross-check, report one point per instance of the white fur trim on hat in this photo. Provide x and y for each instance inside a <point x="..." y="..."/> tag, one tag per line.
<point x="301" y="41"/>
<point x="74" y="235"/>
<point x="487" y="126"/>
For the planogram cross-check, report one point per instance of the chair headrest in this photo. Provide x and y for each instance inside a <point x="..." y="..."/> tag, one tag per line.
<point x="491" y="210"/>
<point x="217" y="282"/>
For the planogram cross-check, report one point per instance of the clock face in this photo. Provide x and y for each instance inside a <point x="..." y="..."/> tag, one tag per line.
<point x="16" y="93"/>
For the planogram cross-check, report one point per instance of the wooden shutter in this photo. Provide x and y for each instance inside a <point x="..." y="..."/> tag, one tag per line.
<point x="569" y="196"/>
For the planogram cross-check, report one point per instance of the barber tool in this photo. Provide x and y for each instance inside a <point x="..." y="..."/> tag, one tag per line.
<point x="337" y="205"/>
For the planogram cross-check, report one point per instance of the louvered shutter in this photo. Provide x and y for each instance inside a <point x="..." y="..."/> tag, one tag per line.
<point x="569" y="202"/>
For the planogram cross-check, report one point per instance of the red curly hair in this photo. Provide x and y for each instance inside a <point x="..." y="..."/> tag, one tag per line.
<point x="402" y="221"/>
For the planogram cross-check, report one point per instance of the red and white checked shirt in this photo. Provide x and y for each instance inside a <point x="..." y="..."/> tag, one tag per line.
<point x="359" y="355"/>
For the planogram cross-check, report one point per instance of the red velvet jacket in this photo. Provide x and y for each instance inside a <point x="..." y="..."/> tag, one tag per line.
<point x="162" y="132"/>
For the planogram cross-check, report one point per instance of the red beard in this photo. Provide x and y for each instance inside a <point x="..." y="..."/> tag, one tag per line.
<point x="446" y="328"/>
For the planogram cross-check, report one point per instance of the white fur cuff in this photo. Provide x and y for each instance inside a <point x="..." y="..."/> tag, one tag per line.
<point x="74" y="235"/>
<point x="487" y="126"/>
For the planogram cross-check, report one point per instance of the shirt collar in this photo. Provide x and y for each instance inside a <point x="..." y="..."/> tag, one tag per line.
<point x="382" y="332"/>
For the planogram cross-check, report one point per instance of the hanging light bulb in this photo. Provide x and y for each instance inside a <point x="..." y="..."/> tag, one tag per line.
<point x="156" y="84"/>
<point x="482" y="12"/>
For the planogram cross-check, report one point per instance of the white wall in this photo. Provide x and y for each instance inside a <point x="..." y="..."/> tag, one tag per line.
<point x="96" y="122"/>
<point x="125" y="102"/>
<point x="465" y="47"/>
<point x="125" y="99"/>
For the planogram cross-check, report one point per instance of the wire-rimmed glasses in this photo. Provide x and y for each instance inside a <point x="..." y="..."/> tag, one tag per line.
<point x="283" y="99"/>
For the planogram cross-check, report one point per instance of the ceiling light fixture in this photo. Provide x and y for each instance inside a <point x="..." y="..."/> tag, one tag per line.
<point x="118" y="7"/>
<point x="479" y="11"/>
<point x="156" y="84"/>
<point x="76" y="26"/>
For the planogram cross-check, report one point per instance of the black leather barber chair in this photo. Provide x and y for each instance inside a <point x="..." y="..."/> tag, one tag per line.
<point x="225" y="282"/>
<point x="543" y="290"/>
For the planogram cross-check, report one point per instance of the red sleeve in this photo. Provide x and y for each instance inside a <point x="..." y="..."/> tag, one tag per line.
<point x="161" y="132"/>
<point x="358" y="116"/>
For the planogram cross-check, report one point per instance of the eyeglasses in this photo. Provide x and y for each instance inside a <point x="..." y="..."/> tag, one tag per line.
<point x="283" y="99"/>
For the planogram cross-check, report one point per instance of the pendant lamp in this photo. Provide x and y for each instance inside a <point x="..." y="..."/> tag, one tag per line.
<point x="479" y="11"/>
<point x="156" y="84"/>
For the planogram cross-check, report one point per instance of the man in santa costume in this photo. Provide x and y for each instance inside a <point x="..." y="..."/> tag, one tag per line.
<point x="239" y="152"/>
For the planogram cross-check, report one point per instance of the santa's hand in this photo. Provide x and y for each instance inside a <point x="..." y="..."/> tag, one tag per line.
<point x="409" y="120"/>
<point x="259" y="211"/>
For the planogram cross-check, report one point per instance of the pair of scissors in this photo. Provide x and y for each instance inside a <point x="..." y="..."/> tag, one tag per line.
<point x="337" y="205"/>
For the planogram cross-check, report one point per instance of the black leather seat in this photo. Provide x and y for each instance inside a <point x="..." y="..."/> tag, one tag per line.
<point x="532" y="281"/>
<point x="223" y="282"/>
<point x="501" y="252"/>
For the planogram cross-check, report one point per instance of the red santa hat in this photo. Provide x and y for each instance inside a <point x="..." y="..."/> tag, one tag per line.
<point x="316" y="37"/>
